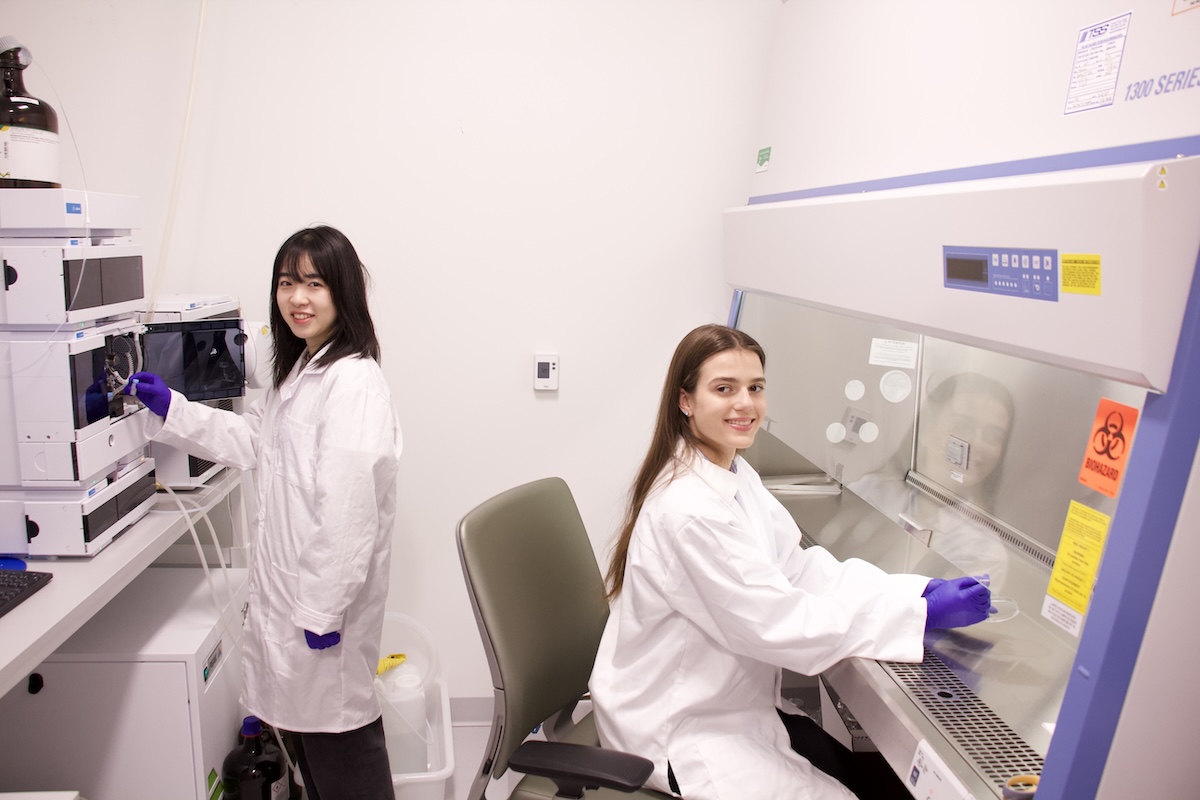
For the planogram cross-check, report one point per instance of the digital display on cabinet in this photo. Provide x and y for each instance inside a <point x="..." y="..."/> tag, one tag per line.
<point x="1027" y="272"/>
<point x="967" y="269"/>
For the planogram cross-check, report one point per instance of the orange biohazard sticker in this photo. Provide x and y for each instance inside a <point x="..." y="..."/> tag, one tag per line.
<point x="1108" y="449"/>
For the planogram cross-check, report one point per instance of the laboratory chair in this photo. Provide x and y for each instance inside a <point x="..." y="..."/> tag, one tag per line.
<point x="540" y="603"/>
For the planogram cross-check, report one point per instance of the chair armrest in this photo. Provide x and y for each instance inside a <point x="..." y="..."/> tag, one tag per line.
<point x="575" y="767"/>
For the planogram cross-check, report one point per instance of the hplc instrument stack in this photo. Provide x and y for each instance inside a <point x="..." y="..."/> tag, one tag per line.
<point x="74" y="469"/>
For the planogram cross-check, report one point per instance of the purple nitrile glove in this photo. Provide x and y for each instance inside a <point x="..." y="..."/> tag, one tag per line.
<point x="933" y="584"/>
<point x="151" y="390"/>
<point x="321" y="641"/>
<point x="956" y="603"/>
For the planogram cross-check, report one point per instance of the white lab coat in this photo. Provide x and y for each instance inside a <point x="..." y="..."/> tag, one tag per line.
<point x="326" y="447"/>
<point x="717" y="597"/>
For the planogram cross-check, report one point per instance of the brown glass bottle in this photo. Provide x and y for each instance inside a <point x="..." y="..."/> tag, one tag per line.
<point x="28" y="127"/>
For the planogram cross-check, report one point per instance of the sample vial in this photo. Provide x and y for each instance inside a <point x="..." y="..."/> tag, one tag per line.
<point x="28" y="127"/>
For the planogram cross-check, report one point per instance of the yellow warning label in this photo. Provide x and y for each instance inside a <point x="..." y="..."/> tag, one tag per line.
<point x="1078" y="557"/>
<point x="1162" y="185"/>
<point x="1081" y="273"/>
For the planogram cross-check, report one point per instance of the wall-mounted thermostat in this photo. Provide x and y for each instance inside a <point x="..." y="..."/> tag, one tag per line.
<point x="545" y="372"/>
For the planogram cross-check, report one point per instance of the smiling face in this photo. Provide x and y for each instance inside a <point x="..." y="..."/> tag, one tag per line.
<point x="306" y="305"/>
<point x="728" y="405"/>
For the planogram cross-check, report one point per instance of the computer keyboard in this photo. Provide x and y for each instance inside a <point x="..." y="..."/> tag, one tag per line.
<point x="16" y="586"/>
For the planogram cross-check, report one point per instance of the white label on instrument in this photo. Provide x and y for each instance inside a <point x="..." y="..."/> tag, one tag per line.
<point x="930" y="779"/>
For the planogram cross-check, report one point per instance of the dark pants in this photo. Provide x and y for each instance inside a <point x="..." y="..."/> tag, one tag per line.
<point x="866" y="774"/>
<point x="345" y="766"/>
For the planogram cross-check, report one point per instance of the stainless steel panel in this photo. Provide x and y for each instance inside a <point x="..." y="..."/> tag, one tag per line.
<point x="815" y="362"/>
<point x="1028" y="425"/>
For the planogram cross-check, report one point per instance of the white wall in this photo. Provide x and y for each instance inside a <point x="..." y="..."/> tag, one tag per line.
<point x="872" y="90"/>
<point x="519" y="177"/>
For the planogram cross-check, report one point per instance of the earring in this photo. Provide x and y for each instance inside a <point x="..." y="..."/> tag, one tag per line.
<point x="687" y="413"/>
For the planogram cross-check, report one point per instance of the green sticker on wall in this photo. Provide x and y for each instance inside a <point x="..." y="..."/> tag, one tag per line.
<point x="764" y="159"/>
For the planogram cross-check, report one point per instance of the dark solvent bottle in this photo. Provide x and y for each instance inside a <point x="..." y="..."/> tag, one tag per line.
<point x="254" y="769"/>
<point x="28" y="127"/>
<point x="268" y="739"/>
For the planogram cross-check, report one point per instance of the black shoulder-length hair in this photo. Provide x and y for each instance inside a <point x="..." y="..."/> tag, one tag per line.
<point x="336" y="262"/>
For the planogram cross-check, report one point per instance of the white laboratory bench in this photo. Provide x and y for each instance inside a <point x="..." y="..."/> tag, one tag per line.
<point x="81" y="587"/>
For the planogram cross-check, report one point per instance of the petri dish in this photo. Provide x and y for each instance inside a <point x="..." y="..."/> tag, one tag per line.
<point x="1003" y="609"/>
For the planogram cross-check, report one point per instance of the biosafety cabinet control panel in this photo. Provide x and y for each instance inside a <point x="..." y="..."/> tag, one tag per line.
<point x="1015" y="271"/>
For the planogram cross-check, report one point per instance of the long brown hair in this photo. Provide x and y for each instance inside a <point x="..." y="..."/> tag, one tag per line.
<point x="672" y="426"/>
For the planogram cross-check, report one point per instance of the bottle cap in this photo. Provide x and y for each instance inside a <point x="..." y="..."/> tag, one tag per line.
<point x="251" y="726"/>
<point x="390" y="661"/>
<point x="24" y="57"/>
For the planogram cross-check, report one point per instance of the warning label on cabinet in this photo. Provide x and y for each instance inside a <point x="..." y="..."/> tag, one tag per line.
<point x="1081" y="273"/>
<point x="1075" y="567"/>
<point x="1107" y="451"/>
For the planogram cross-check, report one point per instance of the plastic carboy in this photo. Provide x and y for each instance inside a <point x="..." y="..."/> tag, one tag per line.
<point x="28" y="127"/>
<point x="254" y="769"/>
<point x="401" y="693"/>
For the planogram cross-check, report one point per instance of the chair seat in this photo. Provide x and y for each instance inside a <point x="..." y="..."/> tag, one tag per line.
<point x="533" y="787"/>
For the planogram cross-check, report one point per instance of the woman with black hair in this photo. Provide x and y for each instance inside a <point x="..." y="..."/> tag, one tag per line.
<point x="326" y="445"/>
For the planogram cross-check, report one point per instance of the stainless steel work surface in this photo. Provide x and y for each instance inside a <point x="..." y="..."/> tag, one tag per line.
<point x="991" y="691"/>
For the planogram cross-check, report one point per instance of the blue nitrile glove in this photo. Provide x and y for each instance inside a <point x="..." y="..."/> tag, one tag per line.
<point x="956" y="603"/>
<point x="320" y="642"/>
<point x="151" y="390"/>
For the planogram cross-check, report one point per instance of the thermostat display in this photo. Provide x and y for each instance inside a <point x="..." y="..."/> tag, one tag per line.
<point x="545" y="372"/>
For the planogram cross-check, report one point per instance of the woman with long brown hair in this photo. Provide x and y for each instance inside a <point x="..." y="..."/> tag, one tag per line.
<point x="712" y="596"/>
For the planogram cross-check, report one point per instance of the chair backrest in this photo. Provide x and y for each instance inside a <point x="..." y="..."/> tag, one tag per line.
<point x="540" y="603"/>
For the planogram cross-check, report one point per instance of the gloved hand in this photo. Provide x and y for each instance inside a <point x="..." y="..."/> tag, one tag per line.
<point x="956" y="603"/>
<point x="151" y="390"/>
<point x="321" y="641"/>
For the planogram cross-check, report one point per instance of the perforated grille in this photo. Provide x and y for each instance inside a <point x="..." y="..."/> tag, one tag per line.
<point x="980" y="736"/>
<point x="198" y="466"/>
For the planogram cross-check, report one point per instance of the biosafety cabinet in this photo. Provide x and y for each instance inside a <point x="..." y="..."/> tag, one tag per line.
<point x="995" y="378"/>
